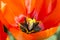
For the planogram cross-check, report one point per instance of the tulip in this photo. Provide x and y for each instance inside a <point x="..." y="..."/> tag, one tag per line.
<point x="30" y="19"/>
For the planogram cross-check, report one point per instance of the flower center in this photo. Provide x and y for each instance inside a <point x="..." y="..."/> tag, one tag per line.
<point x="30" y="26"/>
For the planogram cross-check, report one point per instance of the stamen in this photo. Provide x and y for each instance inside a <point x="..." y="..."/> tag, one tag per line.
<point x="30" y="26"/>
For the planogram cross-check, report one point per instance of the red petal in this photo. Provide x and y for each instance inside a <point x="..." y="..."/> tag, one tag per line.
<point x="13" y="8"/>
<point x="47" y="8"/>
<point x="30" y="5"/>
<point x="36" y="8"/>
<point x="19" y="35"/>
<point x="3" y="35"/>
<point x="54" y="18"/>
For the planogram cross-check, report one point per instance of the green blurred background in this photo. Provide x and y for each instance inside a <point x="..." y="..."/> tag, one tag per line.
<point x="56" y="36"/>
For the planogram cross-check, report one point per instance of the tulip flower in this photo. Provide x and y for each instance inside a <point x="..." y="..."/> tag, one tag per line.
<point x="30" y="19"/>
